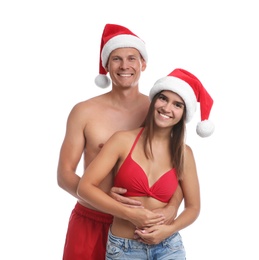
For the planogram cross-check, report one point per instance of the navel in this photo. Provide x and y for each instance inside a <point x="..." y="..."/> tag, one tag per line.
<point x="100" y="146"/>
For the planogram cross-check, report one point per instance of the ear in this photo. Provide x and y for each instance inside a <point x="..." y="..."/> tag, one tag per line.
<point x="144" y="65"/>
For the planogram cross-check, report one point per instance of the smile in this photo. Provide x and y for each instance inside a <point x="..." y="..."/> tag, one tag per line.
<point x="125" y="74"/>
<point x="164" y="116"/>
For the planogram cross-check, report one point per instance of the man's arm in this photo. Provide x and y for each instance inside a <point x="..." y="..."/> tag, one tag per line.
<point x="71" y="152"/>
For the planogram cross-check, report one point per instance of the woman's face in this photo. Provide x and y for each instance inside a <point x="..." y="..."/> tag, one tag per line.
<point x="169" y="109"/>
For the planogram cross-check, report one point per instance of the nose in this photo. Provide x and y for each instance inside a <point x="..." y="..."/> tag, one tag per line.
<point x="167" y="107"/>
<point x="124" y="64"/>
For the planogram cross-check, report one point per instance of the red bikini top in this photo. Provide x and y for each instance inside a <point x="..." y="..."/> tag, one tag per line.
<point x="132" y="177"/>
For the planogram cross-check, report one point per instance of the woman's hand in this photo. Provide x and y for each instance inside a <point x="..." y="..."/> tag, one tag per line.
<point x="153" y="235"/>
<point x="143" y="218"/>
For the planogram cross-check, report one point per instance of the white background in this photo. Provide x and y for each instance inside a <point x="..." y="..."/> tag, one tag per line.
<point x="49" y="54"/>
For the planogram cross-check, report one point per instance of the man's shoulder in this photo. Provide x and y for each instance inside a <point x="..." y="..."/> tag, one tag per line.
<point x="90" y="102"/>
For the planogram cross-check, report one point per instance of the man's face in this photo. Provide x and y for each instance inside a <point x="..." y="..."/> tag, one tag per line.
<point x="125" y="66"/>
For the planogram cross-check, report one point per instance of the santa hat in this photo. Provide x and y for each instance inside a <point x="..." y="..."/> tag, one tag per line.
<point x="116" y="36"/>
<point x="190" y="89"/>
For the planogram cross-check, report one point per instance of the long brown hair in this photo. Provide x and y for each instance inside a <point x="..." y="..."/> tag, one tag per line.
<point x="177" y="141"/>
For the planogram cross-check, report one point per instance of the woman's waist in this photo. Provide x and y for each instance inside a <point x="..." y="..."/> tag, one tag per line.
<point x="122" y="228"/>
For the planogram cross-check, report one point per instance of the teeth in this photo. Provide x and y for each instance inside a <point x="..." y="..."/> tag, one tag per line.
<point x="164" y="116"/>
<point x="125" y="75"/>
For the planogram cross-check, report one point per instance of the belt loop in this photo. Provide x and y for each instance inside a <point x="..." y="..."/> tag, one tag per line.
<point x="126" y="244"/>
<point x="165" y="242"/>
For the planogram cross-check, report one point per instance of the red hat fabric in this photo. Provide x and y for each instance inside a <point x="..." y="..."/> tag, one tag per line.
<point x="116" y="36"/>
<point x="191" y="90"/>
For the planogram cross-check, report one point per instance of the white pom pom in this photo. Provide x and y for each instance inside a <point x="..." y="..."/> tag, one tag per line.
<point x="102" y="81"/>
<point x="205" y="128"/>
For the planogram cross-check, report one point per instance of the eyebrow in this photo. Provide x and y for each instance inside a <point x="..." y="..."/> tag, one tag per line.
<point x="178" y="102"/>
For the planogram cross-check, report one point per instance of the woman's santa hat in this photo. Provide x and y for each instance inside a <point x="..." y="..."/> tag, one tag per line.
<point x="116" y="36"/>
<point x="190" y="89"/>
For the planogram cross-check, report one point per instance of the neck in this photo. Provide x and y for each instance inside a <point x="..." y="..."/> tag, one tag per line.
<point x="126" y="96"/>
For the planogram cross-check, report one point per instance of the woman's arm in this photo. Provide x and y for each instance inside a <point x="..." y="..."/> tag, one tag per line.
<point x="88" y="188"/>
<point x="191" y="194"/>
<point x="117" y="194"/>
<point x="171" y="209"/>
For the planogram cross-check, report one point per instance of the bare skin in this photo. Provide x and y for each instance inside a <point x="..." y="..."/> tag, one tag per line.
<point x="99" y="119"/>
<point x="125" y="221"/>
<point x="92" y="122"/>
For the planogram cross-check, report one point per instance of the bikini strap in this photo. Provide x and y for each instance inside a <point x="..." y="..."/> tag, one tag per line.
<point x="136" y="140"/>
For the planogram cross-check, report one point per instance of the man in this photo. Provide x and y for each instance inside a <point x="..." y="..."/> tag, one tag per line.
<point x="90" y="123"/>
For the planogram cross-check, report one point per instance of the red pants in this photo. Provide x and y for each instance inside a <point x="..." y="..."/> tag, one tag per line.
<point x="87" y="234"/>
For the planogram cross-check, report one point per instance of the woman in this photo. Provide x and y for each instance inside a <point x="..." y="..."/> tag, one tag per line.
<point x="150" y="162"/>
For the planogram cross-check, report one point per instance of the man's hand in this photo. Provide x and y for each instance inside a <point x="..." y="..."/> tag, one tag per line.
<point x="117" y="194"/>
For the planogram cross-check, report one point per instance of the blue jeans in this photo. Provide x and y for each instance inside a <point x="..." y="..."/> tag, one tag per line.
<point x="122" y="248"/>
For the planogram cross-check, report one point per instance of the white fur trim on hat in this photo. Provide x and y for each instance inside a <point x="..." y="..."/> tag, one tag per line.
<point x="181" y="88"/>
<point x="123" y="41"/>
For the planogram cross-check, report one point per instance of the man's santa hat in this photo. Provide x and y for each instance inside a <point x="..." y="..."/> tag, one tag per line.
<point x="190" y="89"/>
<point x="116" y="36"/>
